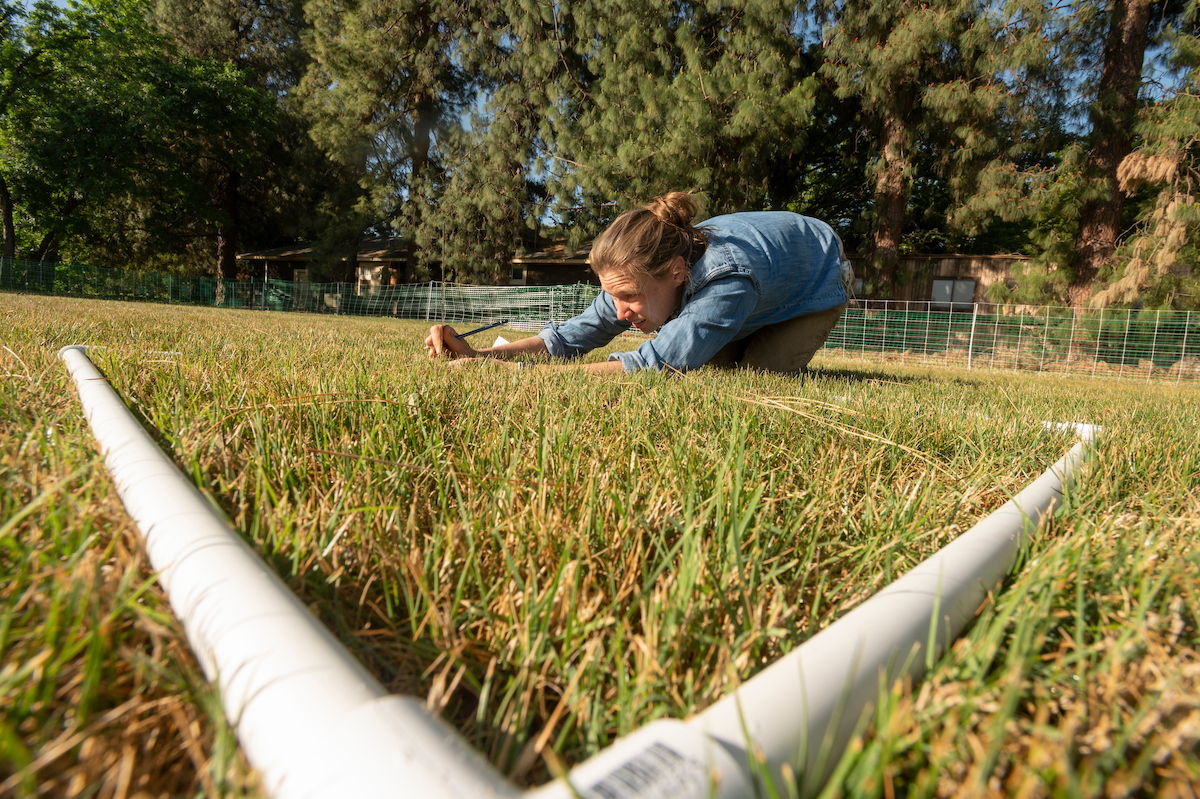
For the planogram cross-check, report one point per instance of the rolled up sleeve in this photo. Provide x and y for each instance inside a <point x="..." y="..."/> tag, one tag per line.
<point x="593" y="328"/>
<point x="705" y="324"/>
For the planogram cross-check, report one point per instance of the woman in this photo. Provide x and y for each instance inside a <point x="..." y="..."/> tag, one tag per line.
<point x="760" y="290"/>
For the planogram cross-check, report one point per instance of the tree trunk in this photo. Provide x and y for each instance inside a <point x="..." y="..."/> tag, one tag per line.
<point x="891" y="196"/>
<point x="422" y="136"/>
<point x="227" y="231"/>
<point x="351" y="273"/>
<point x="46" y="249"/>
<point x="6" y="218"/>
<point x="1112" y="122"/>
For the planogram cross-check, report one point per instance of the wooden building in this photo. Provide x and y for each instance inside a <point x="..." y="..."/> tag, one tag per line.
<point x="553" y="266"/>
<point x="951" y="282"/>
<point x="378" y="260"/>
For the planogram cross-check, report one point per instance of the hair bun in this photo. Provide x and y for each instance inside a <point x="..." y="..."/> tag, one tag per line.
<point x="677" y="208"/>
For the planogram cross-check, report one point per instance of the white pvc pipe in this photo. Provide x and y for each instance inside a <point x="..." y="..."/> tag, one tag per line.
<point x="798" y="715"/>
<point x="309" y="717"/>
<point x="315" y="724"/>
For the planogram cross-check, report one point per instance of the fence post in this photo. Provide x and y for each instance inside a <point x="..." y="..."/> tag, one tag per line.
<point x="925" y="343"/>
<point x="1187" y="320"/>
<point x="1154" y="343"/>
<point x="1045" y="340"/>
<point x="971" y="343"/>
<point x="1020" y="332"/>
<point x="1125" y="341"/>
<point x="1071" y="339"/>
<point x="1099" y="338"/>
<point x="862" y="352"/>
<point x="995" y="335"/>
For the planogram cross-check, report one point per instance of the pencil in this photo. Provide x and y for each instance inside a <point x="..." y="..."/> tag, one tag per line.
<point x="481" y="329"/>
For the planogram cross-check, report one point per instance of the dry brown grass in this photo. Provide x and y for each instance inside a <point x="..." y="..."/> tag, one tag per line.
<point x="550" y="560"/>
<point x="99" y="694"/>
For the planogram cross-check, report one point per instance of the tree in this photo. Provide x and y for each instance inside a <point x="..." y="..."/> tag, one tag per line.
<point x="1112" y="115"/>
<point x="103" y="136"/>
<point x="26" y="44"/>
<point x="927" y="78"/>
<point x="828" y="178"/>
<point x="689" y="94"/>
<point x="261" y="40"/>
<point x="385" y="94"/>
<point x="591" y="108"/>
<point x="50" y="55"/>
<point x="1083" y="66"/>
<point x="1159" y="265"/>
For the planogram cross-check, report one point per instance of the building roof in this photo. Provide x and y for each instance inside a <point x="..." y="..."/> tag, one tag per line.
<point x="370" y="250"/>
<point x="557" y="254"/>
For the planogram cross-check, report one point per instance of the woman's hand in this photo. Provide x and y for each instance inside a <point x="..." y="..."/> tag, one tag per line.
<point x="444" y="342"/>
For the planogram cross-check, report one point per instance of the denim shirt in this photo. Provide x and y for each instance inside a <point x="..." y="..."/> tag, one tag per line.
<point x="760" y="268"/>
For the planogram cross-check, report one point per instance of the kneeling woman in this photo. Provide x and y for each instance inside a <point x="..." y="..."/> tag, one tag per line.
<point x="760" y="290"/>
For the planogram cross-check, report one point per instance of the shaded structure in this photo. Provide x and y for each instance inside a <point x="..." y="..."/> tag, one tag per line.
<point x="378" y="262"/>
<point x="554" y="265"/>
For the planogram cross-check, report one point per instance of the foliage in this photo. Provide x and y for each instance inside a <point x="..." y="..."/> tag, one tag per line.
<point x="477" y="130"/>
<point x="1159" y="265"/>
<point x="1050" y="180"/>
<point x="109" y="145"/>
<point x="385" y="92"/>
<point x="904" y="63"/>
<point x="715" y="99"/>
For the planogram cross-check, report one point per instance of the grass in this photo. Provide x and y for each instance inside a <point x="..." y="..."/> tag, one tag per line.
<point x="553" y="560"/>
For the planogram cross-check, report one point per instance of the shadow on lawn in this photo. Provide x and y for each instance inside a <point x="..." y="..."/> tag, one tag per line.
<point x="862" y="375"/>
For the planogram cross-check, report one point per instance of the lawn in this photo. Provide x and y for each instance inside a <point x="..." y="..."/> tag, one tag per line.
<point x="541" y="548"/>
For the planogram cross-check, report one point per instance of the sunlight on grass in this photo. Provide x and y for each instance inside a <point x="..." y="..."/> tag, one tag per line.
<point x="553" y="560"/>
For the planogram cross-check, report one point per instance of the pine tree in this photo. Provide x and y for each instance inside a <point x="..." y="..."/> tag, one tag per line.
<point x="1084" y="63"/>
<point x="386" y="94"/>
<point x="611" y="102"/>
<point x="1159" y="265"/>
<point x="687" y="95"/>
<point x="1113" y="113"/>
<point x="922" y="73"/>
<point x="261" y="40"/>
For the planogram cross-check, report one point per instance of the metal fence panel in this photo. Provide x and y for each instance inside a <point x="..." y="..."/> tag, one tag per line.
<point x="1111" y="342"/>
<point x="1123" y="343"/>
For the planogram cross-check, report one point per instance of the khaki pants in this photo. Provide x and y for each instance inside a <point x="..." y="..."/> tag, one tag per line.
<point x="788" y="346"/>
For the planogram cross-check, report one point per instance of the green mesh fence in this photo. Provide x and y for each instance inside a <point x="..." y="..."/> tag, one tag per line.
<point x="1121" y="343"/>
<point x="523" y="306"/>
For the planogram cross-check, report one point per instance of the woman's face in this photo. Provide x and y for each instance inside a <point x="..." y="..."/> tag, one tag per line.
<point x="647" y="304"/>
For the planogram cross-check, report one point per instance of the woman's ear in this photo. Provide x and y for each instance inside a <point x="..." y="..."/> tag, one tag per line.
<point x="679" y="271"/>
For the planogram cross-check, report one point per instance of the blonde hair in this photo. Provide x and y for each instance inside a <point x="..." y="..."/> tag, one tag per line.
<point x="644" y="242"/>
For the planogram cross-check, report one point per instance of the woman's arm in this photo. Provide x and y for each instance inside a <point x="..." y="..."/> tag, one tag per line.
<point x="442" y="341"/>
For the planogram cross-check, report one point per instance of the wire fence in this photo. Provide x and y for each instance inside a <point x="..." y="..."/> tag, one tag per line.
<point x="525" y="307"/>
<point x="1123" y="343"/>
<point x="1120" y="343"/>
